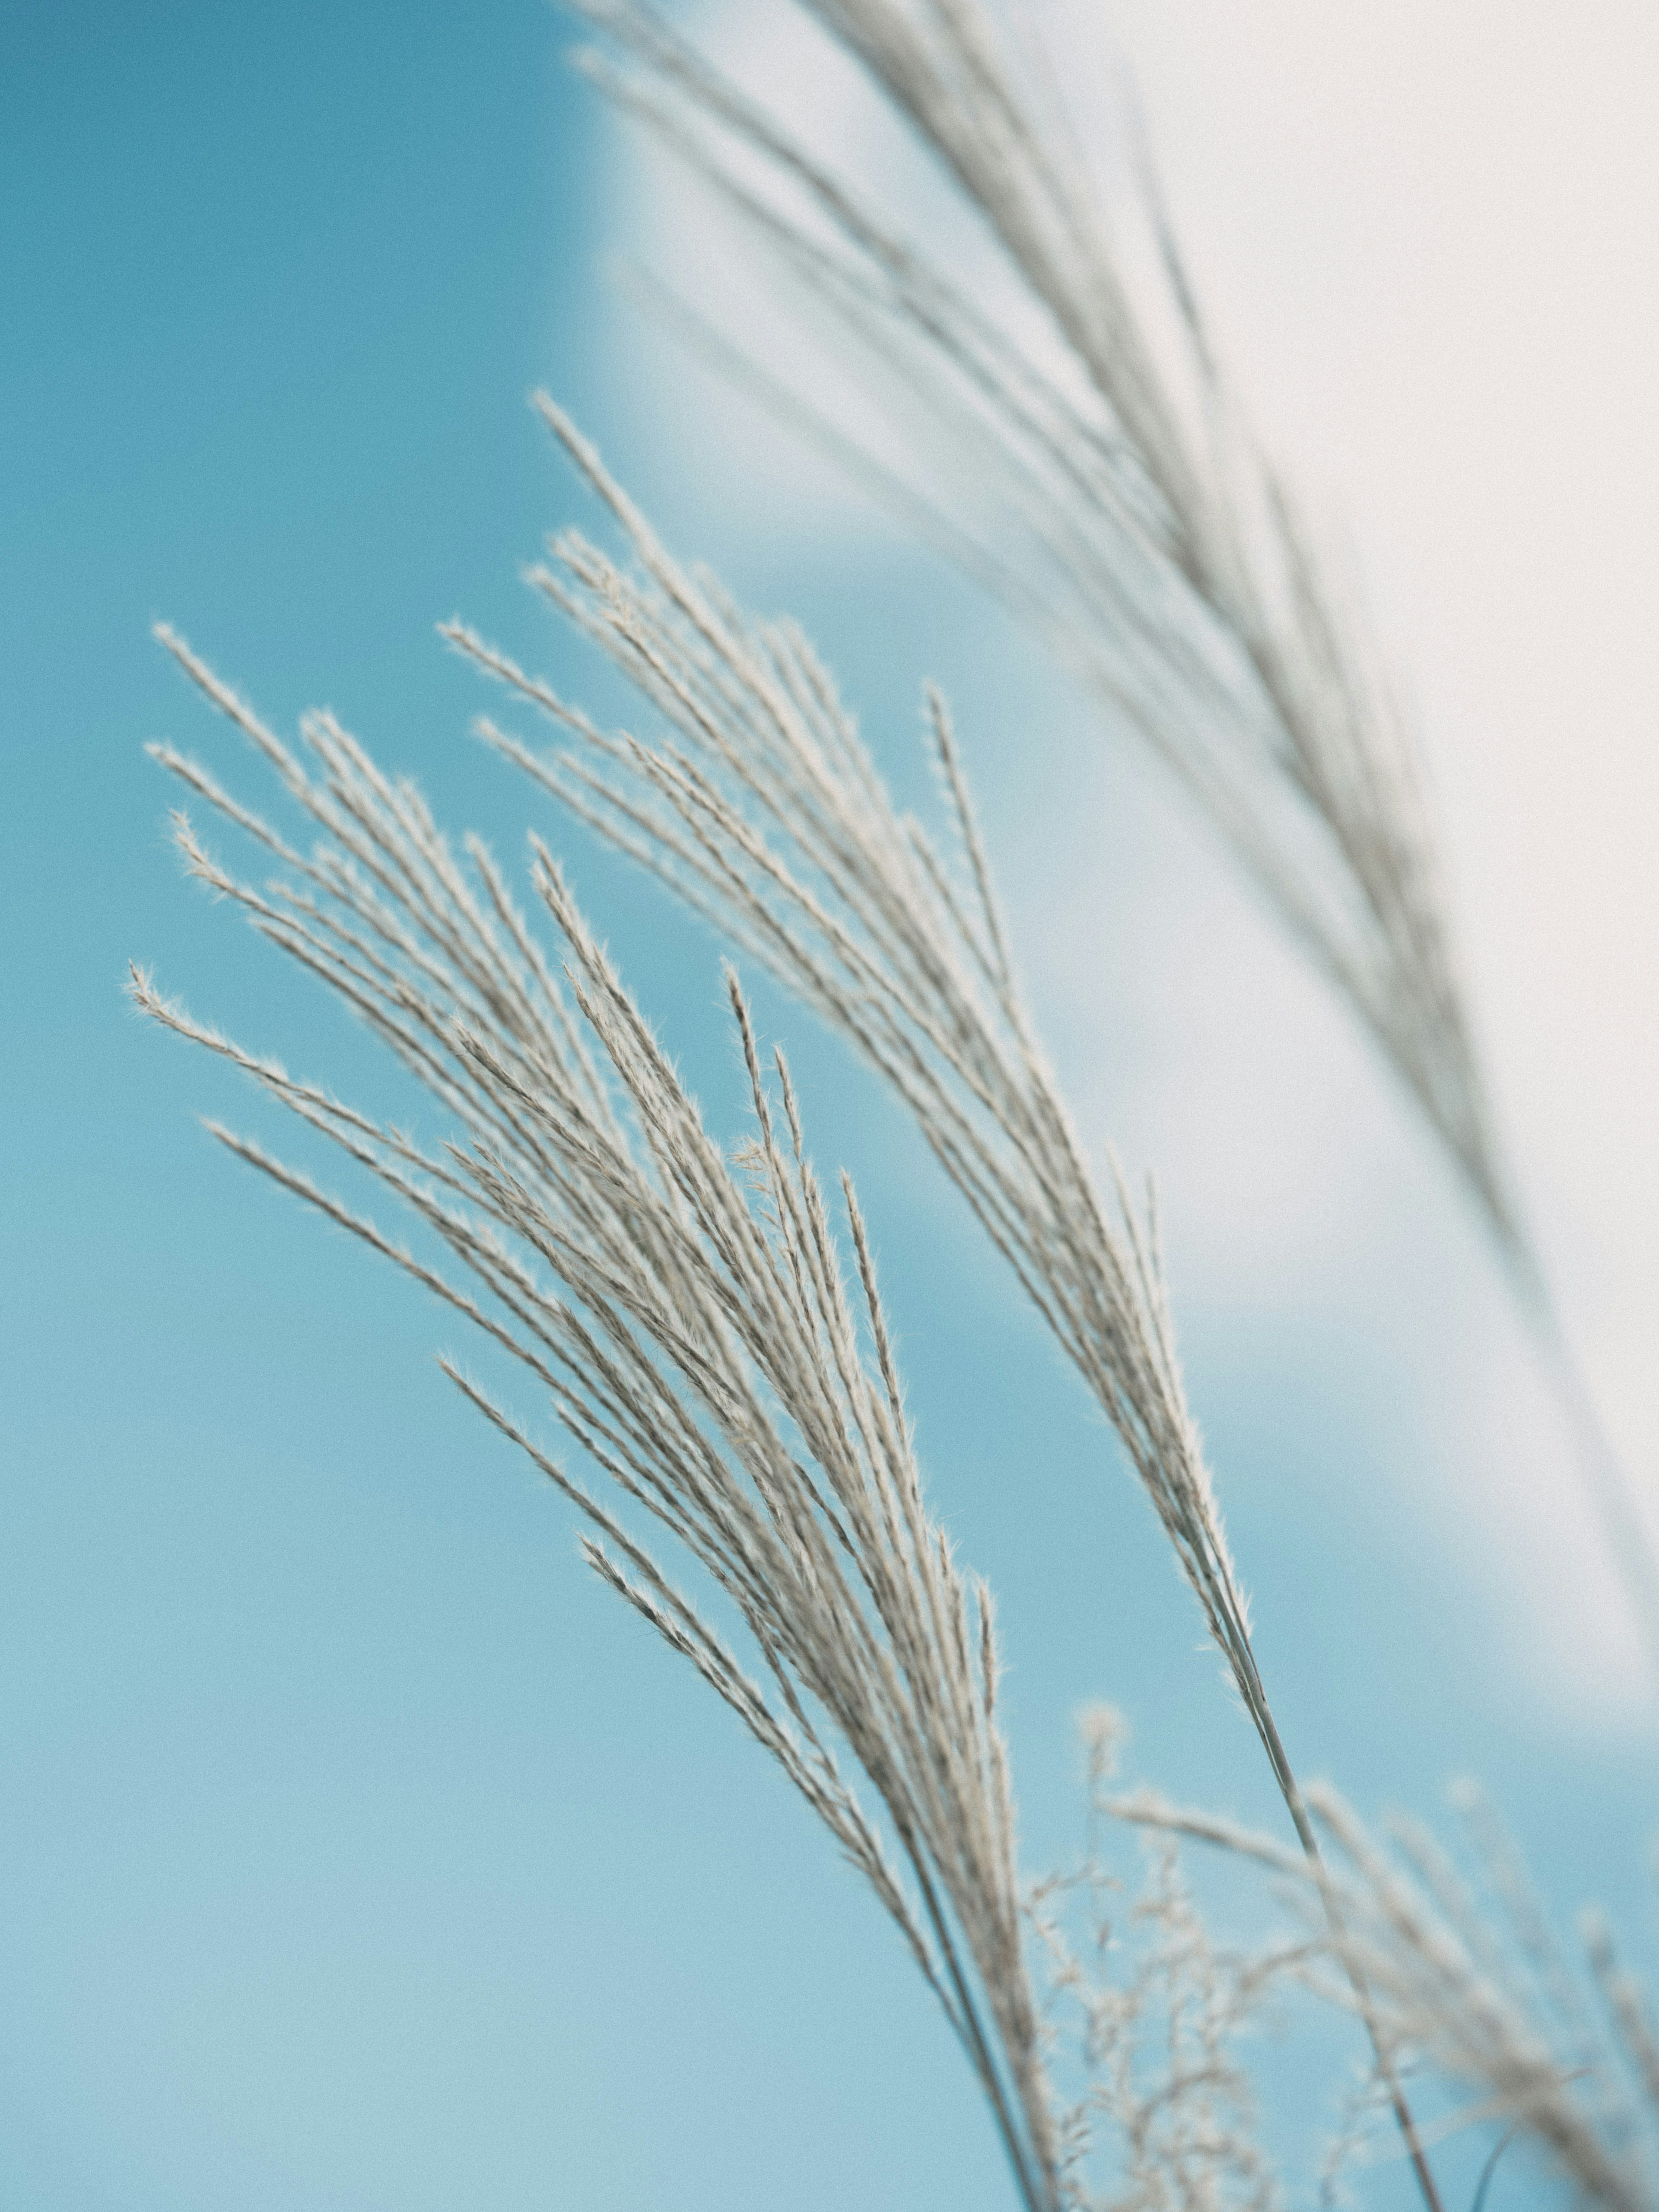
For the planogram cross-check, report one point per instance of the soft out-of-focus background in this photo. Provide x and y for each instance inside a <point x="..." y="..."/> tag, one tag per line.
<point x="354" y="1850"/>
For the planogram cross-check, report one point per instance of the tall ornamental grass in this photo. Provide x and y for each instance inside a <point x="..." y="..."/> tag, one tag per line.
<point x="706" y="1331"/>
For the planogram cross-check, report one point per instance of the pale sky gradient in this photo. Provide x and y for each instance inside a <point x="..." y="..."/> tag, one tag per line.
<point x="357" y="1852"/>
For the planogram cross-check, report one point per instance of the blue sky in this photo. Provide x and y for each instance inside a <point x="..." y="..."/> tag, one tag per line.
<point x="354" y="1851"/>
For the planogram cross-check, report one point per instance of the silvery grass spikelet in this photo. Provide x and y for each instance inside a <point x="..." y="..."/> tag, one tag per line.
<point x="1101" y="479"/>
<point x="766" y="814"/>
<point x="688" y="1320"/>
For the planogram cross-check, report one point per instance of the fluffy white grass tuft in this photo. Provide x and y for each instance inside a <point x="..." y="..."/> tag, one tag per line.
<point x="690" y="1323"/>
<point x="767" y="816"/>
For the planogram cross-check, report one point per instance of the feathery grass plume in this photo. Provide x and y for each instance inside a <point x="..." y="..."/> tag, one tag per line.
<point x="1470" y="1987"/>
<point x="768" y="818"/>
<point x="1155" y="2010"/>
<point x="693" y="1329"/>
<point x="1102" y="482"/>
